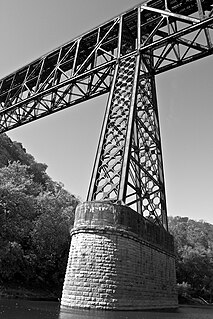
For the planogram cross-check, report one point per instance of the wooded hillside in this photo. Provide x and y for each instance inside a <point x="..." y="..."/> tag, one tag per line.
<point x="36" y="214"/>
<point x="194" y="251"/>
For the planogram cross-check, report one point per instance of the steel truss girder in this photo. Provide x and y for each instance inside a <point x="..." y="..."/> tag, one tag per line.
<point x="122" y="56"/>
<point x="172" y="32"/>
<point x="80" y="89"/>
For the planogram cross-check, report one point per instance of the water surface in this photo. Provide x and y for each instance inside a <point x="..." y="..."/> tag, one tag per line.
<point x="24" y="309"/>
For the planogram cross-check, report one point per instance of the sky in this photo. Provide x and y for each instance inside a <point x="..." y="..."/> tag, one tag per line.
<point x="66" y="141"/>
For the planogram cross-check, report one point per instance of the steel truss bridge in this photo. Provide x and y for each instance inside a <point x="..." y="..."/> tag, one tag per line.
<point x="120" y="57"/>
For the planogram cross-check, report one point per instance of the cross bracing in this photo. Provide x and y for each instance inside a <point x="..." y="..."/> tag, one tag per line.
<point x="121" y="56"/>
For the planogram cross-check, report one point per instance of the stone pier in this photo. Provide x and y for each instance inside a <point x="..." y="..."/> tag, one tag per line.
<point x="118" y="260"/>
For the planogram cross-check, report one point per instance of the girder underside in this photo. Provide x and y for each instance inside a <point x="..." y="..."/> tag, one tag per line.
<point x="122" y="56"/>
<point x="172" y="32"/>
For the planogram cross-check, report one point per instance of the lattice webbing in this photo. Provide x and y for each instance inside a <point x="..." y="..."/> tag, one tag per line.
<point x="146" y="181"/>
<point x="108" y="173"/>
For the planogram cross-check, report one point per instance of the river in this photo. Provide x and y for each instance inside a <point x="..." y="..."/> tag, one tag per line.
<point x="24" y="309"/>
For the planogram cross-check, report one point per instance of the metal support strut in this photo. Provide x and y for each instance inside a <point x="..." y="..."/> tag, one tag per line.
<point x="128" y="166"/>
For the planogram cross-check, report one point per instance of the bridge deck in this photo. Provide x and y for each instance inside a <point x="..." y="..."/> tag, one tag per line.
<point x="42" y="67"/>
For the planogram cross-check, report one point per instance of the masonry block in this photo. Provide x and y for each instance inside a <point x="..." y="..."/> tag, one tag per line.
<point x="118" y="260"/>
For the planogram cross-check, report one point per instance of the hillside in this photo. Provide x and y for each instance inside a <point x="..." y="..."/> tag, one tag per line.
<point x="194" y="251"/>
<point x="13" y="151"/>
<point x="36" y="214"/>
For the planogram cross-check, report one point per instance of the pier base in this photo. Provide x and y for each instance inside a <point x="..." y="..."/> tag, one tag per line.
<point x="118" y="260"/>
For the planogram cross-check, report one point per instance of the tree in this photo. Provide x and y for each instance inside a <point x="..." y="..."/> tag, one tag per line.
<point x="35" y="219"/>
<point x="50" y="234"/>
<point x="194" y="250"/>
<point x="18" y="208"/>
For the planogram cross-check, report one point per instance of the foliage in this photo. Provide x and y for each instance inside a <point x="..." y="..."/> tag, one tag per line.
<point x="50" y="234"/>
<point x="36" y="214"/>
<point x="13" y="151"/>
<point x="194" y="250"/>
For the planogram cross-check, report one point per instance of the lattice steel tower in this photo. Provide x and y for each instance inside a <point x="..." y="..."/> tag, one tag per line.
<point x="128" y="166"/>
<point x="122" y="57"/>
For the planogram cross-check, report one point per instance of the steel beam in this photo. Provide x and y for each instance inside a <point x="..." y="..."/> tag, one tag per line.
<point x="84" y="67"/>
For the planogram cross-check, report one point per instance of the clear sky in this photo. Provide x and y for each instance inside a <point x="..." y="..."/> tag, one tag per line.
<point x="67" y="140"/>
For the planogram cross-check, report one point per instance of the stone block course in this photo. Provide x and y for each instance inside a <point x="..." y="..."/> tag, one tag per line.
<point x="110" y="267"/>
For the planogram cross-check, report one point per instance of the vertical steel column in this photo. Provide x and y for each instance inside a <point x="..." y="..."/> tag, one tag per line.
<point x="146" y="164"/>
<point x="129" y="132"/>
<point x="202" y="17"/>
<point x="111" y="166"/>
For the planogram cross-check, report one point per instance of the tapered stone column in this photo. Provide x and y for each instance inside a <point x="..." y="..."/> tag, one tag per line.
<point x="118" y="260"/>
